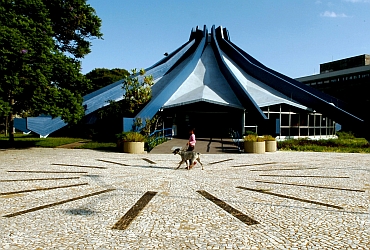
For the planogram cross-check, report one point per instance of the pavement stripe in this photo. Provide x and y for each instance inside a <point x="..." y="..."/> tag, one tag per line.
<point x="290" y="197"/>
<point x="148" y="160"/>
<point x="79" y="166"/>
<point x="303" y="176"/>
<point x="44" y="172"/>
<point x="301" y="185"/>
<point x="42" y="179"/>
<point x="234" y="212"/>
<point x="134" y="211"/>
<point x="220" y="161"/>
<point x="56" y="203"/>
<point x="42" y="189"/>
<point x="122" y="164"/>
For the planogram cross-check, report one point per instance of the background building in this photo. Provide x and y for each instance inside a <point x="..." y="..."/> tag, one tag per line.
<point x="346" y="79"/>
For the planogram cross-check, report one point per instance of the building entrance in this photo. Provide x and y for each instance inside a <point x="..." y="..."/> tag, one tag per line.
<point x="208" y="120"/>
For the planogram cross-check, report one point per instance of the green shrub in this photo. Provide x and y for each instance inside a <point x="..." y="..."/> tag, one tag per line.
<point x="249" y="132"/>
<point x="269" y="138"/>
<point x="250" y="137"/>
<point x="131" y="137"/>
<point x="253" y="138"/>
<point x="345" y="135"/>
<point x="356" y="145"/>
<point x="153" y="142"/>
<point x="260" y="139"/>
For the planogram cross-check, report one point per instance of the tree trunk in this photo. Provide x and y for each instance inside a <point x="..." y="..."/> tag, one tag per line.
<point x="11" y="124"/>
<point x="6" y="126"/>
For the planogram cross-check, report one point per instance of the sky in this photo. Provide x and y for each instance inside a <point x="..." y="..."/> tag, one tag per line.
<point x="290" y="36"/>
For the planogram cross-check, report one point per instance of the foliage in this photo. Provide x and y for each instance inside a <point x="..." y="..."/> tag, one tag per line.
<point x="268" y="138"/>
<point x="131" y="137"/>
<point x="358" y="145"/>
<point x="249" y="132"/>
<point x="138" y="90"/>
<point x="101" y="77"/>
<point x="37" y="75"/>
<point x="250" y="137"/>
<point x="153" y="142"/>
<point x="345" y="135"/>
<point x="149" y="126"/>
<point x="74" y="24"/>
<point x="260" y="139"/>
<point x="137" y="95"/>
<point x="253" y="138"/>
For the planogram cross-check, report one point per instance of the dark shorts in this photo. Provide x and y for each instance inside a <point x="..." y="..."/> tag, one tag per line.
<point x="190" y="148"/>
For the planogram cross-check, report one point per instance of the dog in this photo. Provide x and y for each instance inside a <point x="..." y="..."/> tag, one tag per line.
<point x="187" y="155"/>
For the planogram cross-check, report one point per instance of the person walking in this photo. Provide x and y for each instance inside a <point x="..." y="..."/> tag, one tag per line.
<point x="191" y="143"/>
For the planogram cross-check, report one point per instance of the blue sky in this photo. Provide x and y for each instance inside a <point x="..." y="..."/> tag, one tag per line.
<point x="289" y="36"/>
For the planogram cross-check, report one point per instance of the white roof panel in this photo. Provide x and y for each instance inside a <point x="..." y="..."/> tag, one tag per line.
<point x="205" y="83"/>
<point x="261" y="93"/>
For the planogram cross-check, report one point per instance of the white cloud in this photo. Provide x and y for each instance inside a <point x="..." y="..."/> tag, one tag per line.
<point x="332" y="14"/>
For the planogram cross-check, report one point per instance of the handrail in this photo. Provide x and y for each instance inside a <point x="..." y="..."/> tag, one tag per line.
<point x="162" y="131"/>
<point x="157" y="134"/>
<point x="235" y="136"/>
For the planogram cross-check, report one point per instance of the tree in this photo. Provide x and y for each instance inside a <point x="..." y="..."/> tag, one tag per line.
<point x="37" y="77"/>
<point x="74" y="24"/>
<point x="101" y="77"/>
<point x="137" y="93"/>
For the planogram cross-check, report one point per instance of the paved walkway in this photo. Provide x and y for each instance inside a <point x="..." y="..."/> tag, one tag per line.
<point x="86" y="199"/>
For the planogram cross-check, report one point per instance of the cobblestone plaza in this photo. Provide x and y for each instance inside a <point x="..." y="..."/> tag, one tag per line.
<point x="85" y="199"/>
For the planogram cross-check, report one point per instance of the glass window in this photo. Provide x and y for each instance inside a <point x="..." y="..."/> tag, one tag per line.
<point x="284" y="119"/>
<point x="304" y="132"/>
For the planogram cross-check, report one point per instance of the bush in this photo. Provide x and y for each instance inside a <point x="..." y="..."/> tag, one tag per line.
<point x="153" y="142"/>
<point x="356" y="145"/>
<point x="250" y="137"/>
<point x="249" y="132"/>
<point x="131" y="137"/>
<point x="345" y="135"/>
<point x="260" y="139"/>
<point x="269" y="138"/>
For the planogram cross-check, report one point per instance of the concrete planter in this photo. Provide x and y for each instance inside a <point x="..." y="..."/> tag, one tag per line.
<point x="133" y="147"/>
<point x="254" y="147"/>
<point x="270" y="146"/>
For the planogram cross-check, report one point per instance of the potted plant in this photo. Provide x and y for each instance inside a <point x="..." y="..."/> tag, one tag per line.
<point x="131" y="142"/>
<point x="254" y="144"/>
<point x="270" y="143"/>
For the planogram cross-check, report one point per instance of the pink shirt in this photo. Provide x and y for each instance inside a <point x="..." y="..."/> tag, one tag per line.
<point x="192" y="140"/>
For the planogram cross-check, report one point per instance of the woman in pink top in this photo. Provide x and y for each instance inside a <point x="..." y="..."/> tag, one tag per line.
<point x="192" y="141"/>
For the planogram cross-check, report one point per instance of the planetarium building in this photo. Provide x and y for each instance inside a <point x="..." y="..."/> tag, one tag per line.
<point x="212" y="85"/>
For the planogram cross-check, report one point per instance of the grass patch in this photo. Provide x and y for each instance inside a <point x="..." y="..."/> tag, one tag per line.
<point x="28" y="141"/>
<point x="341" y="145"/>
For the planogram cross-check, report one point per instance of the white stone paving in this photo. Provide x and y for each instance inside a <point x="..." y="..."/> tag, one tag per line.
<point x="178" y="217"/>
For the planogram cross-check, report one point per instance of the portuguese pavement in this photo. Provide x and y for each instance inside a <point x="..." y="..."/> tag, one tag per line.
<point x="86" y="199"/>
